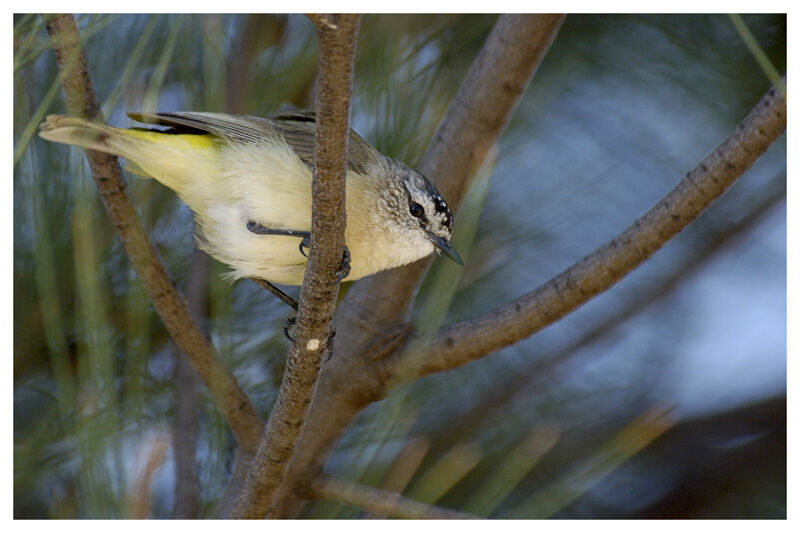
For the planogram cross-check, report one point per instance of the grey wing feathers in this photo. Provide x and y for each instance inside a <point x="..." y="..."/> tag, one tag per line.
<point x="234" y="127"/>
<point x="297" y="128"/>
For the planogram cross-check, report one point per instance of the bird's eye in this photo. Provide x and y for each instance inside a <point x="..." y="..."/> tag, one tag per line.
<point x="416" y="209"/>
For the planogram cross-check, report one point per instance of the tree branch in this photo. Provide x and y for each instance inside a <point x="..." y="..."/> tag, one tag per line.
<point x="460" y="343"/>
<point x="542" y="367"/>
<point x="235" y="406"/>
<point x="381" y="502"/>
<point x="371" y="321"/>
<point x="320" y="282"/>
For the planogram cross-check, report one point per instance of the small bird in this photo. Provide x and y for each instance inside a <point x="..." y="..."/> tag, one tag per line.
<point x="248" y="182"/>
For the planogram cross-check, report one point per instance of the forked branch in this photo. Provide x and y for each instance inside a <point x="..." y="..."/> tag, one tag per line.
<point x="460" y="343"/>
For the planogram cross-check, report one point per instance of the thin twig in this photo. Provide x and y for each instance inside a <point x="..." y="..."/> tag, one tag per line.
<point x="460" y="343"/>
<point x="235" y="406"/>
<point x="381" y="502"/>
<point x="320" y="282"/>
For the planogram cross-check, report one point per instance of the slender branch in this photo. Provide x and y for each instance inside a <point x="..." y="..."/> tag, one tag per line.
<point x="542" y="367"/>
<point x="370" y="323"/>
<point x="381" y="502"/>
<point x="460" y="343"/>
<point x="235" y="406"/>
<point x="320" y="282"/>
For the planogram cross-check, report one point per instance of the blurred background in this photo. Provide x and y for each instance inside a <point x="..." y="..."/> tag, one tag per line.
<point x="663" y="398"/>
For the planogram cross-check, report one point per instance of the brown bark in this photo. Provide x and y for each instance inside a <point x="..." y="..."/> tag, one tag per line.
<point x="337" y="36"/>
<point x="235" y="406"/>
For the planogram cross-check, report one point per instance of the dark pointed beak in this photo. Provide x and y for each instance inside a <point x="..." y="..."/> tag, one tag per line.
<point x="446" y="247"/>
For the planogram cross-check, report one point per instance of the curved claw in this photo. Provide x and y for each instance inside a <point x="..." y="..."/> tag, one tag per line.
<point x="344" y="267"/>
<point x="305" y="243"/>
<point x="329" y="345"/>
<point x="287" y="324"/>
<point x="258" y="229"/>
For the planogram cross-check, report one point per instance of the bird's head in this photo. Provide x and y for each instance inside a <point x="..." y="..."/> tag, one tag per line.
<point x="419" y="214"/>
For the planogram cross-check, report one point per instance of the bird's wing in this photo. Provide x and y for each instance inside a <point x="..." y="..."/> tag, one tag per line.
<point x="297" y="128"/>
<point x="234" y="127"/>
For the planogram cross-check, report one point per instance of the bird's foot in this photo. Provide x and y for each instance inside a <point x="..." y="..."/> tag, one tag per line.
<point x="279" y="294"/>
<point x="287" y="325"/>
<point x="305" y="244"/>
<point x="258" y="229"/>
<point x="329" y="345"/>
<point x="344" y="266"/>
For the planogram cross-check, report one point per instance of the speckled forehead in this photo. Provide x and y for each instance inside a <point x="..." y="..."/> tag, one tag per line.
<point x="441" y="212"/>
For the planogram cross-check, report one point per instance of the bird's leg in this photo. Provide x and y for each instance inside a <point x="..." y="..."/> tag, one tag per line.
<point x="258" y="229"/>
<point x="279" y="294"/>
<point x="305" y="243"/>
<point x="285" y="298"/>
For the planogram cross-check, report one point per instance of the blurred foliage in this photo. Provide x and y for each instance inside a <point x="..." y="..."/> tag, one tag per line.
<point x="622" y="107"/>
